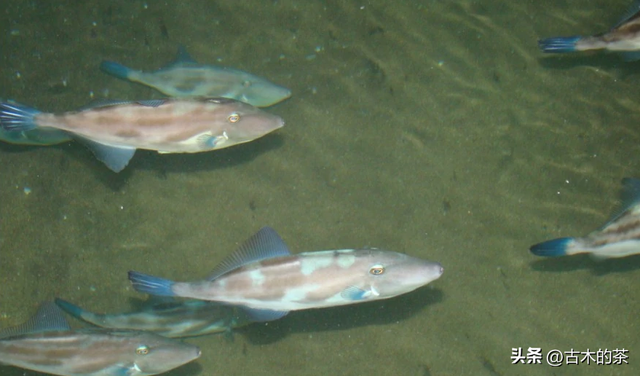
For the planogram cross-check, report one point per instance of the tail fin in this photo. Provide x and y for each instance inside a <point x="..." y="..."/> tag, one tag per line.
<point x="116" y="69"/>
<point x="17" y="117"/>
<point x="149" y="284"/>
<point x="559" y="44"/>
<point x="552" y="248"/>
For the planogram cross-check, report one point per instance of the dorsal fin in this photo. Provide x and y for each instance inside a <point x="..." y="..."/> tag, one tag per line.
<point x="630" y="198"/>
<point x="264" y="244"/>
<point x="182" y="59"/>
<point x="112" y="103"/>
<point x="629" y="14"/>
<point x="48" y="317"/>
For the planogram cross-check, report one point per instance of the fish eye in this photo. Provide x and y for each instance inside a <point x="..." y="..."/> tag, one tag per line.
<point x="233" y="118"/>
<point x="142" y="350"/>
<point x="376" y="270"/>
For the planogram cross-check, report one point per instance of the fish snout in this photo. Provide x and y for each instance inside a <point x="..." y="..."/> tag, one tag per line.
<point x="434" y="270"/>
<point x="440" y="268"/>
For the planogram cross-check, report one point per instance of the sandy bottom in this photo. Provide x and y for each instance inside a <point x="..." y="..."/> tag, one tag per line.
<point x="434" y="128"/>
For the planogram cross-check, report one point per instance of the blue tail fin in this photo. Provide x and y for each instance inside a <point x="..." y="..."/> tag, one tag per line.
<point x="116" y="69"/>
<point x="552" y="248"/>
<point x="17" y="117"/>
<point x="559" y="44"/>
<point x="70" y="308"/>
<point x="149" y="284"/>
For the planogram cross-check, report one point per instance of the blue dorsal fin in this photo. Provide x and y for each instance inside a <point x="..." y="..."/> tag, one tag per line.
<point x="630" y="198"/>
<point x="264" y="244"/>
<point x="182" y="58"/>
<point x="117" y="102"/>
<point x="48" y="318"/>
<point x="629" y="14"/>
<point x="104" y="103"/>
<point x="152" y="102"/>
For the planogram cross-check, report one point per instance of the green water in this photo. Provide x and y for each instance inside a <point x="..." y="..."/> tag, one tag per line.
<point x="434" y="128"/>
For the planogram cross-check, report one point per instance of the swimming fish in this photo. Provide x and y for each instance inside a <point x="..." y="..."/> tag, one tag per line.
<point x="115" y="129"/>
<point x="186" y="78"/>
<point x="45" y="343"/>
<point x="624" y="37"/>
<point x="173" y="319"/>
<point x="619" y="237"/>
<point x="264" y="276"/>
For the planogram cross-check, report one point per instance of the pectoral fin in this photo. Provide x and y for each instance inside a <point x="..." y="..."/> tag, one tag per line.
<point x="355" y="294"/>
<point x="207" y="141"/>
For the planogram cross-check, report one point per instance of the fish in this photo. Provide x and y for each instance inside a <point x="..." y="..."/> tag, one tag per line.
<point x="186" y="78"/>
<point x="45" y="343"/>
<point x="265" y="277"/>
<point x="114" y="130"/>
<point x="173" y="319"/>
<point x="624" y="37"/>
<point x="620" y="237"/>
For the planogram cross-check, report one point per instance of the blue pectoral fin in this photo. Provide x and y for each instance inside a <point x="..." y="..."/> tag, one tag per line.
<point x="552" y="248"/>
<point x="262" y="315"/>
<point x="116" y="158"/>
<point x="207" y="141"/>
<point x="559" y="44"/>
<point x="116" y="69"/>
<point x="354" y="294"/>
<point x="17" y="117"/>
<point x="148" y="284"/>
<point x="119" y="370"/>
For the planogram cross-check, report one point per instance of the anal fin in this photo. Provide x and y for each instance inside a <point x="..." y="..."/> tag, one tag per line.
<point x="116" y="158"/>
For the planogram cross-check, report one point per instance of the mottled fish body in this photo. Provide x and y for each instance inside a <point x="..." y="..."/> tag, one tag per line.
<point x="47" y="344"/>
<point x="114" y="131"/>
<point x="620" y="237"/>
<point x="263" y="275"/>
<point x="186" y="78"/>
<point x="624" y="37"/>
<point x="176" y="319"/>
